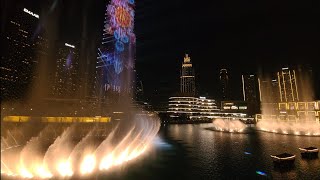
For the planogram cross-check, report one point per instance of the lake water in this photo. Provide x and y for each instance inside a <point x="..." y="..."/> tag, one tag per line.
<point x="190" y="151"/>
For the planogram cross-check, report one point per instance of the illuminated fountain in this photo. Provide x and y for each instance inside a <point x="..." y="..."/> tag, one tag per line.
<point x="287" y="127"/>
<point x="288" y="105"/>
<point x="229" y="125"/>
<point x="66" y="156"/>
<point x="67" y="149"/>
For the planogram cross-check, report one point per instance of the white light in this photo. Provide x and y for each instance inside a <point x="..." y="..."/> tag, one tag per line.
<point x="31" y="13"/>
<point x="69" y="45"/>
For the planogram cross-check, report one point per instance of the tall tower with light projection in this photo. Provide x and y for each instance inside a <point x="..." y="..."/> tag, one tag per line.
<point x="187" y="84"/>
<point x="116" y="54"/>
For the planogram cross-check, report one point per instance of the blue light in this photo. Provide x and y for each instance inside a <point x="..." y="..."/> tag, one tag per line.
<point x="261" y="173"/>
<point x="131" y="1"/>
<point x="117" y="66"/>
<point x="247" y="153"/>
<point x="119" y="46"/>
<point x="116" y="34"/>
<point x="125" y="39"/>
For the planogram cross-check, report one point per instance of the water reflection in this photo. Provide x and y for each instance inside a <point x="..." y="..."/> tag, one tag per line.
<point x="217" y="155"/>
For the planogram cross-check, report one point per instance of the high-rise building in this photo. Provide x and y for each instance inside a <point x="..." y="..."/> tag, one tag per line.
<point x="224" y="80"/>
<point x="187" y="78"/>
<point x="288" y="88"/>
<point x="66" y="77"/>
<point x="268" y="90"/>
<point x="250" y="93"/>
<point x="249" y="88"/>
<point x="116" y="54"/>
<point x="23" y="47"/>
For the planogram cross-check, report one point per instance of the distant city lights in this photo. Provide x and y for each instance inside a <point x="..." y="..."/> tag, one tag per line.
<point x="69" y="45"/>
<point x="31" y="13"/>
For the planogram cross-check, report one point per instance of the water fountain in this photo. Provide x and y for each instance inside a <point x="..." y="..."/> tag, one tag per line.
<point x="69" y="156"/>
<point x="288" y="105"/>
<point x="229" y="125"/>
<point x="80" y="148"/>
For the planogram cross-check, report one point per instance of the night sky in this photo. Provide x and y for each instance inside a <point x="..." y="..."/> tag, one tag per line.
<point x="243" y="36"/>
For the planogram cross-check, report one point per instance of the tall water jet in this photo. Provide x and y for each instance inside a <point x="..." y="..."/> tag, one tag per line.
<point x="288" y="105"/>
<point x="228" y="125"/>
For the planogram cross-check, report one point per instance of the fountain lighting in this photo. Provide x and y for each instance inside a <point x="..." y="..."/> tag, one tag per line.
<point x="289" y="128"/>
<point x="226" y="125"/>
<point x="88" y="164"/>
<point x="62" y="159"/>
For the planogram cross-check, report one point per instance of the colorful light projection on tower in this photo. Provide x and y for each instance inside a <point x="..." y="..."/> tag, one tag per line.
<point x="115" y="55"/>
<point x="121" y="21"/>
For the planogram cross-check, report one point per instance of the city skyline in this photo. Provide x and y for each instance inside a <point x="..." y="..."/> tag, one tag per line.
<point x="144" y="89"/>
<point x="82" y="23"/>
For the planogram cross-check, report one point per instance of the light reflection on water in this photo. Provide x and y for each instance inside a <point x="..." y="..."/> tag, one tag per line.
<point x="227" y="155"/>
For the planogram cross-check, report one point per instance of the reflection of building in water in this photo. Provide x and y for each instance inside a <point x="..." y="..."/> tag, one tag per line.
<point x="291" y="111"/>
<point x="193" y="108"/>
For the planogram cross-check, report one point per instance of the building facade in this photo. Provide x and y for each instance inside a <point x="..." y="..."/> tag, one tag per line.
<point x="24" y="46"/>
<point x="291" y="111"/>
<point x="249" y="88"/>
<point x="288" y="88"/>
<point x="66" y="83"/>
<point x="202" y="108"/>
<point x="114" y="80"/>
<point x="224" y="80"/>
<point x="187" y="78"/>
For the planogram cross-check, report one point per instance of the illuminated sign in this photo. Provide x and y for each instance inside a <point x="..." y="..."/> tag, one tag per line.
<point x="31" y="13"/>
<point x="69" y="45"/>
<point x="228" y="104"/>
<point x="234" y="107"/>
<point x="285" y="68"/>
<point x="242" y="107"/>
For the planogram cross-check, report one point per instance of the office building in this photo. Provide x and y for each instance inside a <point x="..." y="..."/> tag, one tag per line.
<point x="224" y="80"/>
<point x="66" y="77"/>
<point x="288" y="85"/>
<point x="249" y="88"/>
<point x="187" y="78"/>
<point x="23" y="47"/>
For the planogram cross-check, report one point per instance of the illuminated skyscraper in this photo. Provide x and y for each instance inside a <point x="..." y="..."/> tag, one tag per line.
<point x="224" y="80"/>
<point x="268" y="90"/>
<point x="249" y="88"/>
<point x="116" y="54"/>
<point x="187" y="78"/>
<point x="287" y="82"/>
<point x="23" y="45"/>
<point x="66" y="77"/>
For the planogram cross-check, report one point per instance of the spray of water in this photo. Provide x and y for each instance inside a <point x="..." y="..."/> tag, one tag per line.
<point x="226" y="125"/>
<point x="66" y="156"/>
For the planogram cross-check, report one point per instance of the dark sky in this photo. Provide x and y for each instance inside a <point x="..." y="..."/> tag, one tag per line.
<point x="243" y="36"/>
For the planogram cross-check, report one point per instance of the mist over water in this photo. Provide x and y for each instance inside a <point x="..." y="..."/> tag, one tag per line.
<point x="70" y="154"/>
<point x="228" y="125"/>
<point x="283" y="116"/>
